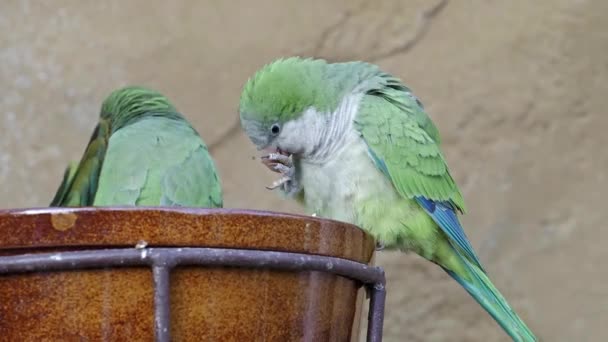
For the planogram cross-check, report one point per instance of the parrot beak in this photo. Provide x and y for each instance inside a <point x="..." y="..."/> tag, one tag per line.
<point x="279" y="151"/>
<point x="268" y="149"/>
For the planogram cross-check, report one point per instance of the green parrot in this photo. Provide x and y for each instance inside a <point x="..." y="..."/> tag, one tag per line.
<point x="143" y="152"/>
<point x="354" y="144"/>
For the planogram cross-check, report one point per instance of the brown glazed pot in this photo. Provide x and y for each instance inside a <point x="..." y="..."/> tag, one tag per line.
<point x="207" y="303"/>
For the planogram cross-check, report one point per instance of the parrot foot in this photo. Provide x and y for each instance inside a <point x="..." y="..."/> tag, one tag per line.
<point x="283" y="164"/>
<point x="273" y="160"/>
<point x="379" y="246"/>
<point x="288" y="182"/>
<point x="282" y="169"/>
<point x="281" y="158"/>
<point x="279" y="182"/>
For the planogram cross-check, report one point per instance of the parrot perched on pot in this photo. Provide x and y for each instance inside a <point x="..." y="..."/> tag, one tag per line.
<point x="352" y="143"/>
<point x="143" y="152"/>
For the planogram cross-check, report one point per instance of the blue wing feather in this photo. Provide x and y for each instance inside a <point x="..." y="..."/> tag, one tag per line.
<point x="380" y="164"/>
<point x="444" y="214"/>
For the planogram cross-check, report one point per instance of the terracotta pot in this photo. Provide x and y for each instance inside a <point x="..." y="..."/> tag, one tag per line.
<point x="211" y="303"/>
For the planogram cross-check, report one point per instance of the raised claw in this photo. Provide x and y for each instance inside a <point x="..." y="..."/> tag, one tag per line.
<point x="281" y="168"/>
<point x="274" y="159"/>
<point x="278" y="182"/>
<point x="281" y="158"/>
<point x="277" y="158"/>
<point x="283" y="164"/>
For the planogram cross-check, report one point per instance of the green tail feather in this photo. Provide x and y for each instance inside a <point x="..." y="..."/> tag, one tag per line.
<point x="483" y="291"/>
<point x="68" y="176"/>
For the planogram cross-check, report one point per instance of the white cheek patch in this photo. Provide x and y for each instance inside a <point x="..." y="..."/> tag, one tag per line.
<point x="316" y="135"/>
<point x="303" y="134"/>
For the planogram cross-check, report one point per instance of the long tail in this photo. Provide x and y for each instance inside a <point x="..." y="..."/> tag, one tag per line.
<point x="479" y="286"/>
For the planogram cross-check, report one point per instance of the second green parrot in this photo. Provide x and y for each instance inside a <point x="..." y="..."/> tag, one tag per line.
<point x="354" y="144"/>
<point x="143" y="152"/>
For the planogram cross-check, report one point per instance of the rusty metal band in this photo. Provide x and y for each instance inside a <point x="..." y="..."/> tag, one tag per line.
<point x="162" y="260"/>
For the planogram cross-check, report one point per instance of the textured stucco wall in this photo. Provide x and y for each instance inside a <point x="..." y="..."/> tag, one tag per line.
<point x="514" y="86"/>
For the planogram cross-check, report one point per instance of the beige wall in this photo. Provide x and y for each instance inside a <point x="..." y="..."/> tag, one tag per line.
<point x="516" y="87"/>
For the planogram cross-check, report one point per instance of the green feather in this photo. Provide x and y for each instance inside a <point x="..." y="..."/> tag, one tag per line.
<point x="68" y="177"/>
<point x="128" y="104"/>
<point x="83" y="184"/>
<point x="284" y="88"/>
<point x="405" y="144"/>
<point x="417" y="210"/>
<point x="412" y="156"/>
<point x="143" y="152"/>
<point x="475" y="281"/>
<point x="173" y="167"/>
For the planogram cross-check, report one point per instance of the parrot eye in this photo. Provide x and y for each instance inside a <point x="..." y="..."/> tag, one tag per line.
<point x="275" y="129"/>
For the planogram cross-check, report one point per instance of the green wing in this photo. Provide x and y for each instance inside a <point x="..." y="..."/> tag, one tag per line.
<point x="158" y="161"/>
<point x="391" y="126"/>
<point x="400" y="139"/>
<point x="185" y="185"/>
<point x="68" y="177"/>
<point x="79" y="183"/>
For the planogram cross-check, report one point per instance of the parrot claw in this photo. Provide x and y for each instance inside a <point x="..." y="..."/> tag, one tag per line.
<point x="278" y="183"/>
<point x="281" y="168"/>
<point x="379" y="246"/>
<point x="273" y="160"/>
<point x="283" y="164"/>
<point x="281" y="158"/>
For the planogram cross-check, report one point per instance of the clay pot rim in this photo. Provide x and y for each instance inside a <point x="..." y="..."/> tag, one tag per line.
<point x="121" y="226"/>
<point x="180" y="210"/>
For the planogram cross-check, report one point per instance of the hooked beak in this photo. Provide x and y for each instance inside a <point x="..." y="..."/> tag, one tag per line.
<point x="271" y="149"/>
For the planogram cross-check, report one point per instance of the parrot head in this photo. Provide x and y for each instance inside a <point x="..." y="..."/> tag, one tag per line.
<point x="130" y="103"/>
<point x="282" y="105"/>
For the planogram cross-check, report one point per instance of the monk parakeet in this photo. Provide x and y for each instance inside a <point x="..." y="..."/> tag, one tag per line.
<point x="354" y="144"/>
<point x="143" y="152"/>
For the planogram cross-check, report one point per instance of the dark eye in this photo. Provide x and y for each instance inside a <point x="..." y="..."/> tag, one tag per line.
<point x="275" y="129"/>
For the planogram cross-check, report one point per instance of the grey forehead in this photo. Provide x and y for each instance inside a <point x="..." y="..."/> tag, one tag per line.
<point x="256" y="130"/>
